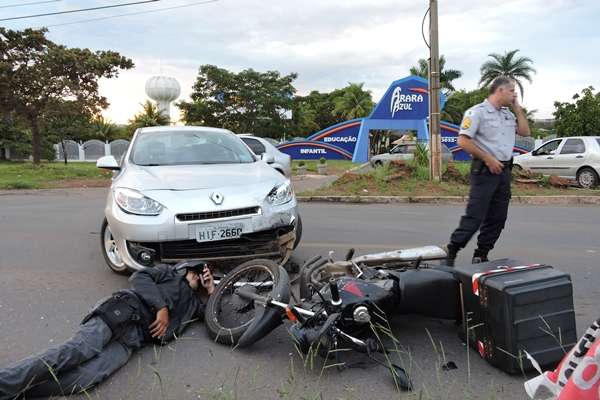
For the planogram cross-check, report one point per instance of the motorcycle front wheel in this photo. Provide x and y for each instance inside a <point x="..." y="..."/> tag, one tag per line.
<point x="227" y="315"/>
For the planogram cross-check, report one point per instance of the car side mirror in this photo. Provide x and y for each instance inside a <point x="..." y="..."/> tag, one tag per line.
<point x="108" y="162"/>
<point x="268" y="158"/>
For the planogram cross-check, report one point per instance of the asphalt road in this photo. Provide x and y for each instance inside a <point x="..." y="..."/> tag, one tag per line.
<point x="52" y="272"/>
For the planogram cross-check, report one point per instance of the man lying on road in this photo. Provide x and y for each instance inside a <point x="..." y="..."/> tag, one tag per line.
<point x="162" y="302"/>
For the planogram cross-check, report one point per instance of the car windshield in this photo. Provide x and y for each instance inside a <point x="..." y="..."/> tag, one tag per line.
<point x="172" y="147"/>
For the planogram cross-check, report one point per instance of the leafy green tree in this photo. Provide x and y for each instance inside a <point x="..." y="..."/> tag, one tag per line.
<point x="248" y="101"/>
<point x="446" y="75"/>
<point x="149" y="116"/>
<point x="36" y="73"/>
<point x="13" y="137"/>
<point x="579" y="118"/>
<point x="460" y="101"/>
<point x="353" y="102"/>
<point x="104" y="129"/>
<point x="507" y="64"/>
<point x="314" y="112"/>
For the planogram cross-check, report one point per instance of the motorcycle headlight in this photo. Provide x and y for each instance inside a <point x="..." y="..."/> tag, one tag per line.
<point x="281" y="194"/>
<point x="133" y="202"/>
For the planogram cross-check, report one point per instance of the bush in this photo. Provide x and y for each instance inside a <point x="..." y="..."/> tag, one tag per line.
<point x="322" y="161"/>
<point x="421" y="155"/>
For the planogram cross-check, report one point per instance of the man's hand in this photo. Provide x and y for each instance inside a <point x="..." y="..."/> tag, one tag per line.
<point x="207" y="280"/>
<point x="493" y="164"/>
<point x="515" y="106"/>
<point x="159" y="327"/>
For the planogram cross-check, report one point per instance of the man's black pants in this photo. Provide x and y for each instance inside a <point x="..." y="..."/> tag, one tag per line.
<point x="487" y="208"/>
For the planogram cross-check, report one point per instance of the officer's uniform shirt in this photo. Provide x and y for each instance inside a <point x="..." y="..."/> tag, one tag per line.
<point x="492" y="129"/>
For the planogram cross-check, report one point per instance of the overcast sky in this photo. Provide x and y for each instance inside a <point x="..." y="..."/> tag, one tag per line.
<point x="329" y="42"/>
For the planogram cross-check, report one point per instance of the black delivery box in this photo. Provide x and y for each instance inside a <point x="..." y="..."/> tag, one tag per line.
<point x="510" y="307"/>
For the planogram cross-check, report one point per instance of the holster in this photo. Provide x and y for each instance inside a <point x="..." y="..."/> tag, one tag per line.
<point x="479" y="167"/>
<point x="119" y="312"/>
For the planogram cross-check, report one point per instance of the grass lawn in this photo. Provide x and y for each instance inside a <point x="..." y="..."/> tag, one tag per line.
<point x="25" y="175"/>
<point x="377" y="182"/>
<point x="334" y="167"/>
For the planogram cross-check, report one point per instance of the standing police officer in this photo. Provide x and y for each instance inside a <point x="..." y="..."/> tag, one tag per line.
<point x="487" y="132"/>
<point x="162" y="302"/>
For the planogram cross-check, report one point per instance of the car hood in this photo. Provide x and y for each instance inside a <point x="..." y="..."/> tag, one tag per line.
<point x="194" y="177"/>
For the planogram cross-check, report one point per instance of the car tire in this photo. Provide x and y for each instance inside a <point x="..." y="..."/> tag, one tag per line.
<point x="298" y="232"/>
<point x="111" y="252"/>
<point x="587" y="178"/>
<point x="378" y="164"/>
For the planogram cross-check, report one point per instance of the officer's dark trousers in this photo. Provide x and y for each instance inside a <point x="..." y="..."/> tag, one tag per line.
<point x="81" y="362"/>
<point x="486" y="211"/>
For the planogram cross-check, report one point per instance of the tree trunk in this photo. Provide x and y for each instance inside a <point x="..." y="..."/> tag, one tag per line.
<point x="64" y="149"/>
<point x="35" y="140"/>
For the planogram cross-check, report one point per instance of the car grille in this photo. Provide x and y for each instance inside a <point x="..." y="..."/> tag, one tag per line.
<point x="251" y="245"/>
<point x="218" y="214"/>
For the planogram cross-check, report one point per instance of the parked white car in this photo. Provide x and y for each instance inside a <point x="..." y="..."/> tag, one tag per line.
<point x="569" y="157"/>
<point x="195" y="193"/>
<point x="280" y="161"/>
<point x="405" y="152"/>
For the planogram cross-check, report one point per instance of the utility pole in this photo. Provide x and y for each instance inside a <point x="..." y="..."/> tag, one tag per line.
<point x="435" y="145"/>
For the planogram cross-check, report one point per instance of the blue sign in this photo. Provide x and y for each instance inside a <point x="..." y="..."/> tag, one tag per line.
<point x="334" y="143"/>
<point x="404" y="106"/>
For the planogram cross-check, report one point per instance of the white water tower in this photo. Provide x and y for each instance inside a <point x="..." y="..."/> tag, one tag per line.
<point x="164" y="90"/>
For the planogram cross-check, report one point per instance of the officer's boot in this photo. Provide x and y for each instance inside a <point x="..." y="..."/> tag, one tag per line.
<point x="480" y="256"/>
<point x="451" y="250"/>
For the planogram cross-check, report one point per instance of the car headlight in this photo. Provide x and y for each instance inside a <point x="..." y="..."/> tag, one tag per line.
<point x="281" y="194"/>
<point x="133" y="202"/>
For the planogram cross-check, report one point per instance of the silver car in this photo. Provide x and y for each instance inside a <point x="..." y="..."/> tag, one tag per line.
<point x="280" y="161"/>
<point x="195" y="193"/>
<point x="569" y="157"/>
<point x="404" y="152"/>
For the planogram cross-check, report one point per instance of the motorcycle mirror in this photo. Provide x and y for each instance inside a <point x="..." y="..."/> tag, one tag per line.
<point x="350" y="254"/>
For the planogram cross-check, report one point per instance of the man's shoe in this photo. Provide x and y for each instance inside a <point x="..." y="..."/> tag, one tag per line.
<point x="451" y="255"/>
<point x="479" y="256"/>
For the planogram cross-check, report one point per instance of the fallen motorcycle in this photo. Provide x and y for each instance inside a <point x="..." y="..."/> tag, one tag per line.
<point x="515" y="315"/>
<point x="342" y="307"/>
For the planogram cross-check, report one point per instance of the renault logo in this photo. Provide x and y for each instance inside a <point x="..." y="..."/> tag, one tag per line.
<point x="217" y="198"/>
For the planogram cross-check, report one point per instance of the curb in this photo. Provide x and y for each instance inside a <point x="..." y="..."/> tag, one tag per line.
<point x="534" y="200"/>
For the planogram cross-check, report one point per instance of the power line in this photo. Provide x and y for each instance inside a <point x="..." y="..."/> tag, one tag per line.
<point x="79" y="10"/>
<point x="29" y="4"/>
<point x="133" y="13"/>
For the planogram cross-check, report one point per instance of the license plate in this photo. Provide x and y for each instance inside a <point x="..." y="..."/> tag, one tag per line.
<point x="221" y="231"/>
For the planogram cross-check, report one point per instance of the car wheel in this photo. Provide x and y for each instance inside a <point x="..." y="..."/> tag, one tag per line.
<point x="587" y="178"/>
<point x="298" y="232"/>
<point x="378" y="163"/>
<point x="110" y="251"/>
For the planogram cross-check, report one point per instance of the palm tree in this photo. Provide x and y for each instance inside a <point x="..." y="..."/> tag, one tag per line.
<point x="353" y="102"/>
<point x="517" y="68"/>
<point x="446" y="76"/>
<point x="104" y="129"/>
<point x="149" y="116"/>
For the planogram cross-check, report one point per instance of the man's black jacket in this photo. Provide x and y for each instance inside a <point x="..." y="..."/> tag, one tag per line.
<point x="163" y="286"/>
